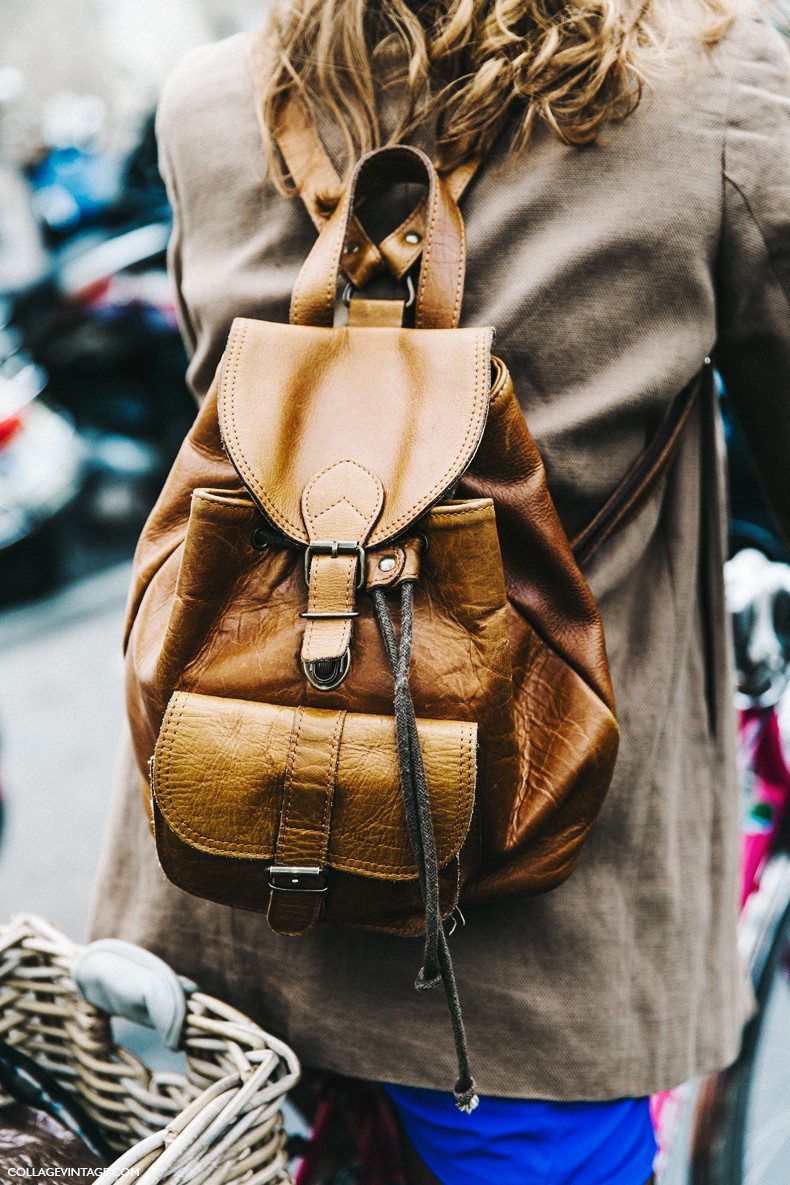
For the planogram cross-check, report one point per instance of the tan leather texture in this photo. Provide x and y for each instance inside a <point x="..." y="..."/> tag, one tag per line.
<point x="264" y="751"/>
<point x="253" y="781"/>
<point x="411" y="445"/>
<point x="373" y="314"/>
<point x="212" y="614"/>
<point x="364" y="389"/>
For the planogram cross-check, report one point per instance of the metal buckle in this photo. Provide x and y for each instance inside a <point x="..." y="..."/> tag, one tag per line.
<point x="329" y="616"/>
<point x="297" y="878"/>
<point x="334" y="548"/>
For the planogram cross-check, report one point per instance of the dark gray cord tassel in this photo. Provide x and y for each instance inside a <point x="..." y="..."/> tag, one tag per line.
<point x="437" y="962"/>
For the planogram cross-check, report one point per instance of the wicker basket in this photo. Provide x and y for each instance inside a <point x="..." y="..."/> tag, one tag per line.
<point x="220" y="1123"/>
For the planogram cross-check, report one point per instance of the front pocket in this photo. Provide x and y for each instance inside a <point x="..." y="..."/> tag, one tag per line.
<point x="219" y="775"/>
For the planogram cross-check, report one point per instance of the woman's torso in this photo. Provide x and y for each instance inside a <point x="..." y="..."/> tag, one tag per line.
<point x="598" y="269"/>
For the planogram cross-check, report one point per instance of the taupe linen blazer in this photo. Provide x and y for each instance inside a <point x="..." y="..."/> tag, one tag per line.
<point x="609" y="273"/>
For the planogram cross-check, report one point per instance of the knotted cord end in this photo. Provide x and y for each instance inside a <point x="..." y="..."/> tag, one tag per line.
<point x="466" y="1097"/>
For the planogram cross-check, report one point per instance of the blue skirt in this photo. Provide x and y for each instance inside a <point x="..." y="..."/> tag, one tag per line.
<point x="513" y="1141"/>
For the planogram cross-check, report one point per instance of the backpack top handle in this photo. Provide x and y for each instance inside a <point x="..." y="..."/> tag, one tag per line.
<point x="441" y="281"/>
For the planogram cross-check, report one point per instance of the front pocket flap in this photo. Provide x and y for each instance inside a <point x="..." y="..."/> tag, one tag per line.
<point x="219" y="769"/>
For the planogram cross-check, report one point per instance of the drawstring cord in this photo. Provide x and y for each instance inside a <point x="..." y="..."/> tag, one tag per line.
<point x="437" y="963"/>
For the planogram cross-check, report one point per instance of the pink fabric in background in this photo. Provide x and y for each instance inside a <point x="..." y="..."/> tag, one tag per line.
<point x="765" y="772"/>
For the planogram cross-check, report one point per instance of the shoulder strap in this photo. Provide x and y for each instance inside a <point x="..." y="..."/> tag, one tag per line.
<point x="440" y="287"/>
<point x="313" y="175"/>
<point x="316" y="180"/>
<point x="646" y="472"/>
<point x="318" y="184"/>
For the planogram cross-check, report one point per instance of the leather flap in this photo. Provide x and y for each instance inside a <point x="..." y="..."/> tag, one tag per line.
<point x="219" y="769"/>
<point x="408" y="405"/>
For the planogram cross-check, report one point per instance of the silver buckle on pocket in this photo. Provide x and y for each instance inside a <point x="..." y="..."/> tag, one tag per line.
<point x="296" y="878"/>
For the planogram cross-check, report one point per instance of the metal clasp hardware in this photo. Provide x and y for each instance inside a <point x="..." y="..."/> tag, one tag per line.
<point x="350" y="289"/>
<point x="329" y="616"/>
<point x="296" y="878"/>
<point x="326" y="674"/>
<point x="334" y="548"/>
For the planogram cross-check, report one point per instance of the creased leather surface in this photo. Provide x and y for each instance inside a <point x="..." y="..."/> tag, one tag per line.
<point x="408" y="406"/>
<point x="515" y="647"/>
<point x="221" y="764"/>
<point x="543" y="579"/>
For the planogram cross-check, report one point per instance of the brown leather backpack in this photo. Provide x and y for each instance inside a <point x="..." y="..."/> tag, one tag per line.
<point x="363" y="665"/>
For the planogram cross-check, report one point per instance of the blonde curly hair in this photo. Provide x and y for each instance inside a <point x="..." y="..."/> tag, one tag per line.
<point x="471" y="66"/>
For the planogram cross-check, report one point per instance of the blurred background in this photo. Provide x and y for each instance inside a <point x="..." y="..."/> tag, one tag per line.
<point x="92" y="404"/>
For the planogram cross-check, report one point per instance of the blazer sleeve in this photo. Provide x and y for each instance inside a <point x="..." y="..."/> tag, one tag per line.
<point x="753" y="346"/>
<point x="175" y="247"/>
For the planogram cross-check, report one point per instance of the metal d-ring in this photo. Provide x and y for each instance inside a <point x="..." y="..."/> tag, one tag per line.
<point x="350" y="289"/>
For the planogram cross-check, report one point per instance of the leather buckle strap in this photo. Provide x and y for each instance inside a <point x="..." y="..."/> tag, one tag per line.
<point x="339" y="506"/>
<point x="297" y="877"/>
<point x="326" y="656"/>
<point x="334" y="548"/>
<point x="646" y="472"/>
<point x="331" y="584"/>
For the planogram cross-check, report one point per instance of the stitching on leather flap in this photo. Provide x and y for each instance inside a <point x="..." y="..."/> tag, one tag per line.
<point x="312" y="515"/>
<point x="395" y="517"/>
<point x="179" y="778"/>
